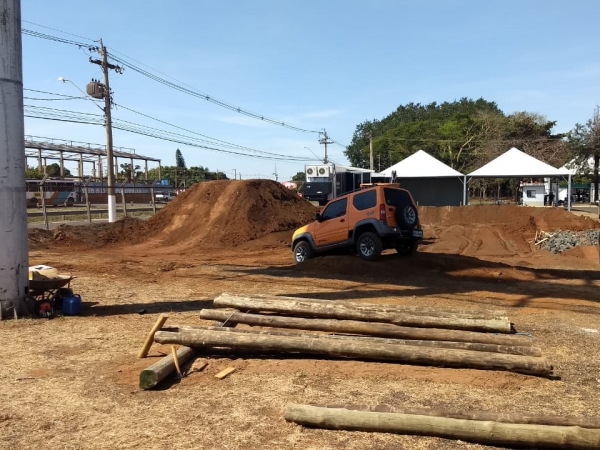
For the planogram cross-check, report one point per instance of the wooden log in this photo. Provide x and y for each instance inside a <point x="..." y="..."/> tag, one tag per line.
<point x="150" y="338"/>
<point x="354" y="348"/>
<point x="151" y="376"/>
<point x="411" y="309"/>
<point x="481" y="432"/>
<point x="337" y="311"/>
<point x="476" y="347"/>
<point x="366" y="328"/>
<point x="512" y="417"/>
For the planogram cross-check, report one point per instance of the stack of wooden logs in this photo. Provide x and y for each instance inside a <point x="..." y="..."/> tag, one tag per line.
<point x="403" y="334"/>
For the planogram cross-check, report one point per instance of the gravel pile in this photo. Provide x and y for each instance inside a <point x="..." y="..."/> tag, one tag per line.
<point x="566" y="240"/>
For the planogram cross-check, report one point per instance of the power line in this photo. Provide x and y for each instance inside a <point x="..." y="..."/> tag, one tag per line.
<point x="198" y="94"/>
<point x="179" y="86"/>
<point x="93" y="119"/>
<point x="213" y="140"/>
<point x="60" y="31"/>
<point x="49" y="37"/>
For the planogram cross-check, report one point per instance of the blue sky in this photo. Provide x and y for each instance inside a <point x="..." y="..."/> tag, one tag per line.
<point x="313" y="64"/>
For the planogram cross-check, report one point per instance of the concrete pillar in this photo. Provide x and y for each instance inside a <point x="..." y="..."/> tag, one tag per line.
<point x="132" y="169"/>
<point x="39" y="160"/>
<point x="100" y="167"/>
<point x="62" y="164"/>
<point x="93" y="169"/>
<point x="14" y="260"/>
<point x="80" y="166"/>
<point x="146" y="169"/>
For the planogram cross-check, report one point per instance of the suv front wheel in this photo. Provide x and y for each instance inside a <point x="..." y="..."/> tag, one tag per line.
<point x="302" y="252"/>
<point x="369" y="246"/>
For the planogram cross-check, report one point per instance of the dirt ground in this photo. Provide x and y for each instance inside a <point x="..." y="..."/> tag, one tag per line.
<point x="72" y="382"/>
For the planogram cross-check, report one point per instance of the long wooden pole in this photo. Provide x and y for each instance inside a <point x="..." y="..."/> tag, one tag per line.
<point x="337" y="311"/>
<point x="476" y="347"/>
<point x="482" y="432"/>
<point x="354" y="348"/>
<point x="512" y="417"/>
<point x="151" y="376"/>
<point x="411" y="309"/>
<point x="367" y="328"/>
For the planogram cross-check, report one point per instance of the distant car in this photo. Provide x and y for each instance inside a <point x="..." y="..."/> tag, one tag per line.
<point x="164" y="197"/>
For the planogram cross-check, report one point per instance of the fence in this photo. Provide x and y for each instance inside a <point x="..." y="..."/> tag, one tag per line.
<point x="88" y="199"/>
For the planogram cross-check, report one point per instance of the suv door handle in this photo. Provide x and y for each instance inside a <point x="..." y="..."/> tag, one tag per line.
<point x="342" y="220"/>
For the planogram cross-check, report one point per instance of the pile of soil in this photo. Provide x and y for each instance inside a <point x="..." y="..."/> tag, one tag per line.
<point x="517" y="218"/>
<point x="227" y="214"/>
<point x="95" y="235"/>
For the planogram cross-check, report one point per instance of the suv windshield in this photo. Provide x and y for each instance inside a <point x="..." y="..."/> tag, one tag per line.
<point x="396" y="197"/>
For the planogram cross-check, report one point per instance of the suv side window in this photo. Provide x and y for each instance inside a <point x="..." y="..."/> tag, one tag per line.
<point x="365" y="200"/>
<point x="335" y="209"/>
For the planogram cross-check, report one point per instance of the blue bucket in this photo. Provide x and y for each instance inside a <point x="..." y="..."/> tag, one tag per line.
<point x="71" y="305"/>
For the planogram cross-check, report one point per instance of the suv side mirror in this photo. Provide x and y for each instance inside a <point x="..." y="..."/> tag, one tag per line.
<point x="318" y="217"/>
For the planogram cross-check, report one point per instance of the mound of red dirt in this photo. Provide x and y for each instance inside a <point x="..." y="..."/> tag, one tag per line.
<point x="228" y="213"/>
<point x="518" y="218"/>
<point x="95" y="235"/>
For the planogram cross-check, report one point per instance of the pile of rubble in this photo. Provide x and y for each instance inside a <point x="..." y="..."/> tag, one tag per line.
<point x="561" y="241"/>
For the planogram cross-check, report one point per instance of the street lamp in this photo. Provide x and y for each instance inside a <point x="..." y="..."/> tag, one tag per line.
<point x="110" y="176"/>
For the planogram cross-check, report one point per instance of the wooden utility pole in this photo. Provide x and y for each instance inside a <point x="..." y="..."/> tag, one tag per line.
<point x="106" y="66"/>
<point x="14" y="259"/>
<point x="325" y="141"/>
<point x="596" y="147"/>
<point x="371" y="162"/>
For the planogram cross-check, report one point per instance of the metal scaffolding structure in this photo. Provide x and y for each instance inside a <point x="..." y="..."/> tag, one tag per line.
<point x="43" y="149"/>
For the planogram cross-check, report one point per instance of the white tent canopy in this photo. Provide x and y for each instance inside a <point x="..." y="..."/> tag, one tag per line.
<point x="516" y="164"/>
<point x="421" y="165"/>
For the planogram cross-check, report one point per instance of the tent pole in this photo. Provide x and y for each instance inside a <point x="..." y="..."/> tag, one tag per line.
<point x="569" y="194"/>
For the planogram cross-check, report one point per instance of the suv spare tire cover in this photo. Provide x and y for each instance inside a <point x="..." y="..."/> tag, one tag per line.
<point x="407" y="216"/>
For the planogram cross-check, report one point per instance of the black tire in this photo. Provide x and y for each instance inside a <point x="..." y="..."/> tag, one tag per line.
<point x="407" y="248"/>
<point x="369" y="246"/>
<point x="302" y="252"/>
<point x="407" y="216"/>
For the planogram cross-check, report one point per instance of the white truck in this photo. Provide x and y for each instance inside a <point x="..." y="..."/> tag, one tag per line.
<point x="164" y="197"/>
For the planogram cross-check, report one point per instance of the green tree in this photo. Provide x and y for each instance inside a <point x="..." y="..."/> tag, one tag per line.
<point x="53" y="170"/>
<point x="584" y="145"/>
<point x="32" y="173"/>
<point x="300" y="176"/>
<point x="129" y="175"/>
<point x="179" y="160"/>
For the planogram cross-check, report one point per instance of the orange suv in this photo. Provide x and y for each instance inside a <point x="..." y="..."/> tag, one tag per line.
<point x="367" y="221"/>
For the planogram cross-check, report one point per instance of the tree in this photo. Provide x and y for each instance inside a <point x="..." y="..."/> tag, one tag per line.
<point x="31" y="173"/>
<point x="300" y="176"/>
<point x="130" y="175"/>
<point x="53" y="170"/>
<point x="584" y="144"/>
<point x="179" y="161"/>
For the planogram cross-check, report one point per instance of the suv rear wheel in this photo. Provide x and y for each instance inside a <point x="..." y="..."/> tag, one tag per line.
<point x="302" y="252"/>
<point x="369" y="246"/>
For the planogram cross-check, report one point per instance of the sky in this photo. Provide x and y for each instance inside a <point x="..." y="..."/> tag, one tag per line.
<point x="312" y="64"/>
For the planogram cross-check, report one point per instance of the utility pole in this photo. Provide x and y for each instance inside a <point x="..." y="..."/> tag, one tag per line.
<point x="14" y="259"/>
<point x="235" y="174"/>
<point x="112" y="200"/>
<point x="371" y="162"/>
<point x="325" y="140"/>
<point x="275" y="173"/>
